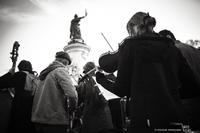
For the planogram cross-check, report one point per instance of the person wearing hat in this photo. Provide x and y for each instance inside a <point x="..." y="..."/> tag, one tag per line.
<point x="96" y="115"/>
<point x="190" y="78"/>
<point x="21" y="108"/>
<point x="49" y="112"/>
<point x="148" y="67"/>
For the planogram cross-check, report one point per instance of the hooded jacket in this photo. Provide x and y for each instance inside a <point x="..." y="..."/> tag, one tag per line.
<point x="49" y="105"/>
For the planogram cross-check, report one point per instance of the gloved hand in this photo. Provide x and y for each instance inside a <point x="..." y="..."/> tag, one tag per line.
<point x="99" y="76"/>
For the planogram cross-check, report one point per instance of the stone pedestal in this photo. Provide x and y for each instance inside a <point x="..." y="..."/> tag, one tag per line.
<point x="78" y="52"/>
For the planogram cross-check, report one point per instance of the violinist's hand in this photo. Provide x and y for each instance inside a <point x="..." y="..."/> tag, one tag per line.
<point x="99" y="76"/>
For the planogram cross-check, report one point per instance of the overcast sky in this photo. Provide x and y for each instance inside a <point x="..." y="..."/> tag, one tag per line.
<point x="42" y="26"/>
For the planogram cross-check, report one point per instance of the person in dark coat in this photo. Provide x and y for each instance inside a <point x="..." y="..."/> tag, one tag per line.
<point x="148" y="68"/>
<point x="22" y="102"/>
<point x="5" y="105"/>
<point x="96" y="113"/>
<point x="190" y="87"/>
<point x="190" y="78"/>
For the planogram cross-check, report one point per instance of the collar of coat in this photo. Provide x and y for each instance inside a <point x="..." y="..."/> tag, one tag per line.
<point x="50" y="68"/>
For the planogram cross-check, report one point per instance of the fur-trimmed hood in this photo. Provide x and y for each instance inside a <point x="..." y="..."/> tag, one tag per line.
<point x="50" y="68"/>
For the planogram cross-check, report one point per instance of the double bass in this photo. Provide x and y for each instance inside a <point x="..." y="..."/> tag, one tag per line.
<point x="14" y="56"/>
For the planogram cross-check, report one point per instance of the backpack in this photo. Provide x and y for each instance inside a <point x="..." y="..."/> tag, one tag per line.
<point x="32" y="82"/>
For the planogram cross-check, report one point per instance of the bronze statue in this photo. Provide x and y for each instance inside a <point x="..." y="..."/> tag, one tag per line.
<point x="75" y="32"/>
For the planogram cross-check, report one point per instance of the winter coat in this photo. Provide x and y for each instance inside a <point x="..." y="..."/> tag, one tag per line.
<point x="190" y="79"/>
<point x="96" y="112"/>
<point x="49" y="105"/>
<point x="190" y="82"/>
<point x="192" y="56"/>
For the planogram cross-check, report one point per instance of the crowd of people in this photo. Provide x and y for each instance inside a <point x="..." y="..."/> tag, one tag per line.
<point x="158" y="75"/>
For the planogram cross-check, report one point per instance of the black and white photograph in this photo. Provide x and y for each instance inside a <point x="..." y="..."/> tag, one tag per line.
<point x="100" y="66"/>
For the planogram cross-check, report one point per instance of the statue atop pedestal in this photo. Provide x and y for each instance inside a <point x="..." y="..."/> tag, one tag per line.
<point x="77" y="49"/>
<point x="75" y="32"/>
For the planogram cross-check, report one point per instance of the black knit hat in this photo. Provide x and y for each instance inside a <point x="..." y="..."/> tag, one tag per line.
<point x="25" y="65"/>
<point x="88" y="66"/>
<point x="63" y="55"/>
<point x="167" y="33"/>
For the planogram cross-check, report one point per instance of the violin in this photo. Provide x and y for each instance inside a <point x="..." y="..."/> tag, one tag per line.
<point x="89" y="72"/>
<point x="109" y="61"/>
<point x="109" y="76"/>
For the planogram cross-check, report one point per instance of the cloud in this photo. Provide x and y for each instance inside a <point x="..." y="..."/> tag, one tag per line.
<point x="17" y="10"/>
<point x="59" y="7"/>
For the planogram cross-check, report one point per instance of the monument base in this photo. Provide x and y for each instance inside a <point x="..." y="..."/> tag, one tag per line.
<point x="78" y="52"/>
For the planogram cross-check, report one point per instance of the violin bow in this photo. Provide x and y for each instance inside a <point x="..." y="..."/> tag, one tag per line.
<point x="107" y="41"/>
